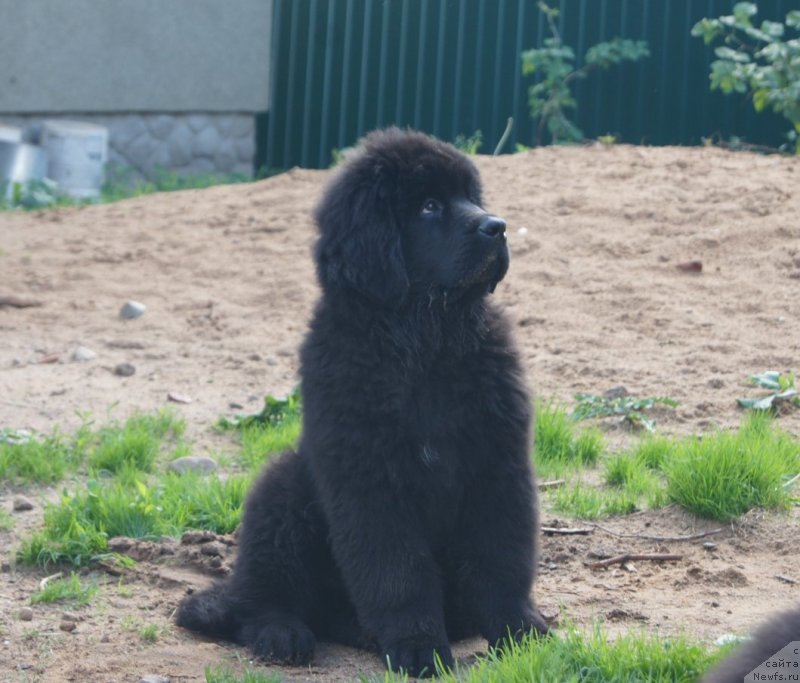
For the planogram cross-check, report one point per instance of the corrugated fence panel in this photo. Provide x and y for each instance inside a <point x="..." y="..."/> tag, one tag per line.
<point x="450" y="67"/>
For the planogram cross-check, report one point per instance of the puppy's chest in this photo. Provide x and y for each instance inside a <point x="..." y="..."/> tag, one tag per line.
<point x="442" y="419"/>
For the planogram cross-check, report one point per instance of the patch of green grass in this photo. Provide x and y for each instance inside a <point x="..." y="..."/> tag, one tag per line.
<point x="721" y="476"/>
<point x="629" y="473"/>
<point x="77" y="529"/>
<point x="70" y="590"/>
<point x="224" y="674"/>
<point x="149" y="632"/>
<point x="653" y="452"/>
<point x="573" y="657"/>
<point x="259" y="441"/>
<point x="590" y="502"/>
<point x="559" y="446"/>
<point x="6" y="522"/>
<point x="135" y="444"/>
<point x="42" y="460"/>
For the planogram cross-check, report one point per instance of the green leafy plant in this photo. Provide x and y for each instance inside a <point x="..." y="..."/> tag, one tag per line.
<point x="629" y="408"/>
<point x="469" y="145"/>
<point x="276" y="411"/>
<point x="783" y="392"/>
<point x="551" y="97"/>
<point x="761" y="62"/>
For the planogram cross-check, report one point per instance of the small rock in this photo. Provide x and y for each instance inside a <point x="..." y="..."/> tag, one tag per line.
<point x="131" y="310"/>
<point x="71" y="616"/>
<point x="5" y="567"/>
<point x="25" y="614"/>
<point x="193" y="463"/>
<point x="83" y="355"/>
<point x="68" y="626"/>
<point x="235" y="406"/>
<point x="175" y="397"/>
<point x="615" y="392"/>
<point x="522" y="231"/>
<point x="153" y="678"/>
<point x="690" y="267"/>
<point x="22" y="504"/>
<point x="124" y="370"/>
<point x="105" y="638"/>
<point x="709" y="546"/>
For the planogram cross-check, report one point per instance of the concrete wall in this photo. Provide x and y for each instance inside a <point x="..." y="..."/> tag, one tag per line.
<point x="134" y="55"/>
<point x="176" y="82"/>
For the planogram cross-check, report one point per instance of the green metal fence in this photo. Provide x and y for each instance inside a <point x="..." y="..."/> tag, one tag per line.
<point x="450" y="67"/>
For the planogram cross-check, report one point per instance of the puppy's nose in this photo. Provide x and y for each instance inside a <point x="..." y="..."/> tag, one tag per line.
<point x="492" y="226"/>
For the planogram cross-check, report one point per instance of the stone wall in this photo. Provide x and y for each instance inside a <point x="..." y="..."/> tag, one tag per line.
<point x="187" y="143"/>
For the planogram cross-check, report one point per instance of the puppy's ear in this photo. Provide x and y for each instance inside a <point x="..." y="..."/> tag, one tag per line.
<point x="359" y="247"/>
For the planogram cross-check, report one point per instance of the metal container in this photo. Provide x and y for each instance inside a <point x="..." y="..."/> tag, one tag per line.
<point x="77" y="154"/>
<point x="20" y="163"/>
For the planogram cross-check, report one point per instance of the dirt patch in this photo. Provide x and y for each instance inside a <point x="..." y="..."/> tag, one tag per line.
<point x="601" y="296"/>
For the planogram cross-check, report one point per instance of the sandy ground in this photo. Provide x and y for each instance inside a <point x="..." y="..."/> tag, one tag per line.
<point x="597" y="237"/>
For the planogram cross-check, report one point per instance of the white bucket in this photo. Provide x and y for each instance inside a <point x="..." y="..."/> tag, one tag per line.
<point x="10" y="133"/>
<point x="77" y="153"/>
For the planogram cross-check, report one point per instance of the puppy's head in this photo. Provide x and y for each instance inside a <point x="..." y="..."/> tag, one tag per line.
<point x="403" y="218"/>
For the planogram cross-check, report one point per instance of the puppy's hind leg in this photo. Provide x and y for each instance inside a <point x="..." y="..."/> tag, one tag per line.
<point x="269" y="600"/>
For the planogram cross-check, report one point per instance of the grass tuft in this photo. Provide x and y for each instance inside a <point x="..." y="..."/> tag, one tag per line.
<point x="224" y="674"/>
<point x="70" y="590"/>
<point x="6" y="522"/>
<point x="559" y="446"/>
<point x="723" y="475"/>
<point x="135" y="444"/>
<point x="590" y="502"/>
<point x="42" y="460"/>
<point x="259" y="442"/>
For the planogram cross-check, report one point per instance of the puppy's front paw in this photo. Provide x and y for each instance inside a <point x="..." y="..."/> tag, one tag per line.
<point x="418" y="657"/>
<point x="287" y="641"/>
<point x="525" y="621"/>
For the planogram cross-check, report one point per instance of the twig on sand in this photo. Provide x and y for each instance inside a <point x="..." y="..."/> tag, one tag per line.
<point x="632" y="557"/>
<point x="662" y="539"/>
<point x="554" y="484"/>
<point x="18" y="302"/>
<point x="47" y="579"/>
<point x="551" y="530"/>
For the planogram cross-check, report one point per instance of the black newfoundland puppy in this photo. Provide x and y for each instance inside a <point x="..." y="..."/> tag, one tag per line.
<point x="407" y="518"/>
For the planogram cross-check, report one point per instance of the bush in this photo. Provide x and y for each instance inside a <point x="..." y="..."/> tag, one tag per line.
<point x="555" y="62"/>
<point x="762" y="62"/>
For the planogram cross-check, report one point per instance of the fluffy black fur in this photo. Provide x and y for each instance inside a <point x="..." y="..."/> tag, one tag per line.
<point x="407" y="518"/>
<point x="767" y="640"/>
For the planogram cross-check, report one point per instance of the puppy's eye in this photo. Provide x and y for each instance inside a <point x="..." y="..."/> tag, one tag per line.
<point x="431" y="207"/>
